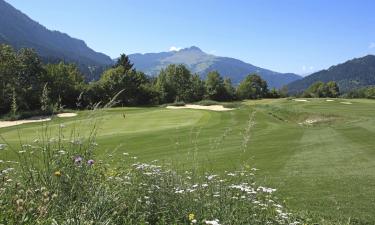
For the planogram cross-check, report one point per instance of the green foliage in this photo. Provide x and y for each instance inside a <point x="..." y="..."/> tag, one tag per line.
<point x="14" y="107"/>
<point x="176" y="104"/>
<point x="66" y="87"/>
<point x="207" y="102"/>
<point x="273" y="93"/>
<point x="44" y="100"/>
<point x="65" y="83"/>
<point x="322" y="90"/>
<point x="124" y="61"/>
<point x="215" y="89"/>
<point x="252" y="87"/>
<point x="367" y="92"/>
<point x="176" y="83"/>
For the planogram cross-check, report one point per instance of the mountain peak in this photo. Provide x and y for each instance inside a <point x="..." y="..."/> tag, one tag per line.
<point x="192" y="48"/>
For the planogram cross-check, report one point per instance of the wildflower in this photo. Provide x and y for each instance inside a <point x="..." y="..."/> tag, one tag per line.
<point x="194" y="221"/>
<point x="2" y="146"/>
<point x="90" y="162"/>
<point x="57" y="173"/>
<point x="19" y="202"/>
<point x="191" y="216"/>
<point x="212" y="222"/>
<point x="211" y="177"/>
<point x="78" y="159"/>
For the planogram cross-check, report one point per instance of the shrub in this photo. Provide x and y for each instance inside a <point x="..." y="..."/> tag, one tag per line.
<point x="207" y="102"/>
<point x="179" y="103"/>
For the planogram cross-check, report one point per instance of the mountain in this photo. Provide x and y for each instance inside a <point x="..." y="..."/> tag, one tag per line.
<point x="19" y="31"/>
<point x="355" y="73"/>
<point x="202" y="63"/>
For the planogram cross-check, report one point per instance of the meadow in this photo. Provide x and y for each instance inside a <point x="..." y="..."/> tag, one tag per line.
<point x="318" y="154"/>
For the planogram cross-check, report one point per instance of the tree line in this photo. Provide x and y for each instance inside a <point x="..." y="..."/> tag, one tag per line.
<point x="28" y="84"/>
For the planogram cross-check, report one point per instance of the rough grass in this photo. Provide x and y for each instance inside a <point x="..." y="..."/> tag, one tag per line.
<point x="58" y="180"/>
<point x="325" y="170"/>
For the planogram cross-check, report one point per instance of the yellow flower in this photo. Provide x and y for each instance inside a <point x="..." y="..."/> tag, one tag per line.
<point x="57" y="173"/>
<point x="191" y="216"/>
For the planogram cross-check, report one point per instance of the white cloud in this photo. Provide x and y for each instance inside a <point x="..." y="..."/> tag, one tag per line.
<point x="174" y="48"/>
<point x="307" y="69"/>
<point x="372" y="45"/>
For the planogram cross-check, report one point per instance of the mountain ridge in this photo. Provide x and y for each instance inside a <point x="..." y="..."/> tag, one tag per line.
<point x="349" y="75"/>
<point x="202" y="63"/>
<point x="20" y="31"/>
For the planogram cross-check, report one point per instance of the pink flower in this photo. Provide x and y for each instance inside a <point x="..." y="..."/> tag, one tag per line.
<point x="78" y="159"/>
<point x="90" y="162"/>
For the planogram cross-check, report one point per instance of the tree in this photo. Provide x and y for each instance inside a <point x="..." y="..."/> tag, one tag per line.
<point x="230" y="91"/>
<point x="215" y="89"/>
<point x="135" y="86"/>
<point x="333" y="89"/>
<point x="252" y="87"/>
<point x="8" y="80"/>
<point x="30" y="74"/>
<point x="274" y="93"/>
<point x="124" y="61"/>
<point x="65" y="83"/>
<point x="197" y="88"/>
<point x="174" y="83"/>
<point x="322" y="90"/>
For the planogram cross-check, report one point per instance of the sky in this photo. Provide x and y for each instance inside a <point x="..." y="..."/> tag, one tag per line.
<point x="299" y="36"/>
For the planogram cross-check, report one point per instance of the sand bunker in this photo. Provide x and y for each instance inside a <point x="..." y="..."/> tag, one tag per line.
<point x="64" y="115"/>
<point x="346" y="103"/>
<point x="35" y="119"/>
<point x="312" y="121"/>
<point x="208" y="107"/>
<point x="330" y="100"/>
<point x="19" y="122"/>
<point x="300" y="100"/>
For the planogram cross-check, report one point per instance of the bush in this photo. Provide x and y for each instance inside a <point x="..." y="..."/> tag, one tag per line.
<point x="179" y="103"/>
<point x="208" y="102"/>
<point x="26" y="115"/>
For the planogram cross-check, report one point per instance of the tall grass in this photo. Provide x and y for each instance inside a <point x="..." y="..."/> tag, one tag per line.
<point x="58" y="180"/>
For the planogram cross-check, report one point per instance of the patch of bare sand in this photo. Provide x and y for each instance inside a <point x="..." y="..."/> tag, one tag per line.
<point x="19" y="122"/>
<point x="34" y="119"/>
<point x="208" y="107"/>
<point x="64" y="115"/>
<point x="300" y="100"/>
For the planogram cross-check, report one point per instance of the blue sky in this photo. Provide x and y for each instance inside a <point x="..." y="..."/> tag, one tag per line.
<point x="299" y="36"/>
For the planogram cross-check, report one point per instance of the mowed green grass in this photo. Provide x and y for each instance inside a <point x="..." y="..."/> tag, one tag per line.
<point x="327" y="168"/>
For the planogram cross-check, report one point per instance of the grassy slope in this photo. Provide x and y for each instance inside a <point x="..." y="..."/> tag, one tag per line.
<point x="328" y="169"/>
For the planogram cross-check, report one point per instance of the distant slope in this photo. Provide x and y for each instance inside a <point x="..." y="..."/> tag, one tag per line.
<point x="202" y="63"/>
<point x="355" y="73"/>
<point x="20" y="31"/>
